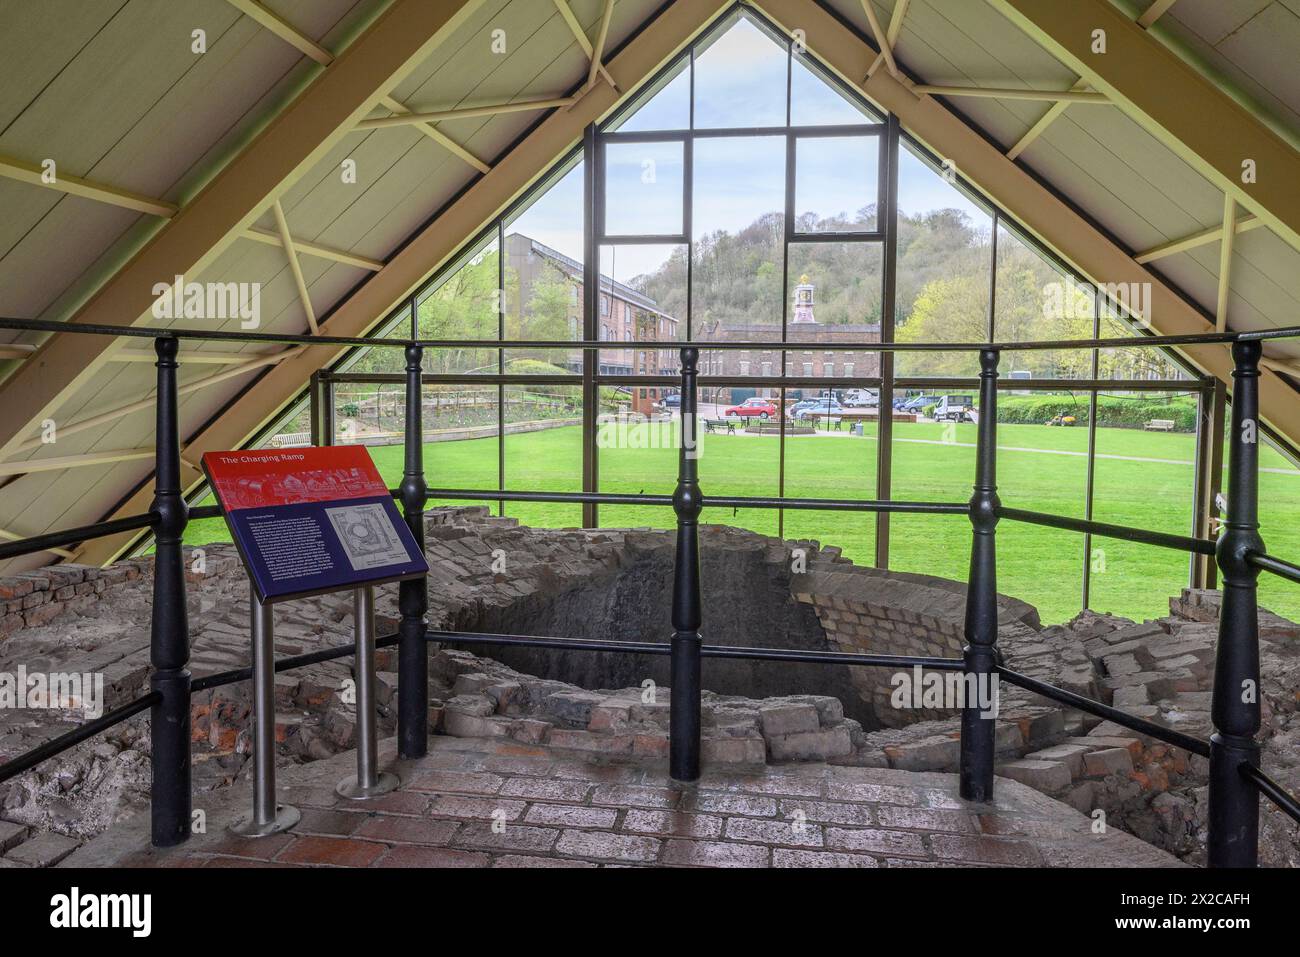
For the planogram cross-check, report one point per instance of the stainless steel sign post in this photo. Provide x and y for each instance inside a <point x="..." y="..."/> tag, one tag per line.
<point x="267" y="816"/>
<point x="369" y="781"/>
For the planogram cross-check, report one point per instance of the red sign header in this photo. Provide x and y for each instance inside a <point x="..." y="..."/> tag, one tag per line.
<point x="258" y="479"/>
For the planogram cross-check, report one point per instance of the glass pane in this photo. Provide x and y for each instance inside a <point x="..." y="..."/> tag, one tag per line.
<point x="369" y="414"/>
<point x="378" y="361"/>
<point x="1043" y="468"/>
<point x="651" y="282"/>
<point x="1144" y="478"/>
<point x="462" y="438"/>
<point x="836" y="288"/>
<point x="643" y="189"/>
<point x="931" y="462"/>
<point x="1279" y="526"/>
<point x="943" y="270"/>
<point x="464" y="306"/>
<point x="816" y="102"/>
<point x="739" y="224"/>
<point x="543" y="451"/>
<point x="1036" y="303"/>
<point x="665" y="106"/>
<point x="1136" y="362"/>
<point x="743" y="461"/>
<point x="637" y="453"/>
<point x="837" y="184"/>
<point x="544" y="274"/>
<point x="740" y="79"/>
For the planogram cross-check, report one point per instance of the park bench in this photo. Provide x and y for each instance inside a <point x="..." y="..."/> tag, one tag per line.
<point x="711" y="425"/>
<point x="1159" y="425"/>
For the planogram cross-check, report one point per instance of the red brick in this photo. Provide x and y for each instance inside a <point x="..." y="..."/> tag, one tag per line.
<point x="546" y="789"/>
<point x="239" y="862"/>
<point x="782" y="785"/>
<point x="476" y="808"/>
<point x="871" y="840"/>
<point x="399" y="802"/>
<point x="874" y="793"/>
<point x="523" y="860"/>
<point x="714" y="854"/>
<point x="618" y="847"/>
<point x="985" y="850"/>
<point x="672" y="823"/>
<point x="719" y="803"/>
<point x="337" y="823"/>
<point x="258" y="848"/>
<point x="11" y="588"/>
<point x="342" y="852"/>
<point x="465" y="782"/>
<point x="571" y="815"/>
<point x="774" y="832"/>
<point x="828" y="812"/>
<point x="513" y="837"/>
<point x="603" y="773"/>
<point x="800" y="857"/>
<point x="538" y="767"/>
<point x="622" y="795"/>
<point x="926" y="819"/>
<point x="408" y="830"/>
<point x="412" y="855"/>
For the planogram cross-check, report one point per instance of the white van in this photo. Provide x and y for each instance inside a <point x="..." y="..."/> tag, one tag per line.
<point x="861" y="398"/>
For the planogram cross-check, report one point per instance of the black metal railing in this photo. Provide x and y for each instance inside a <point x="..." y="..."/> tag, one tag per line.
<point x="1236" y="781"/>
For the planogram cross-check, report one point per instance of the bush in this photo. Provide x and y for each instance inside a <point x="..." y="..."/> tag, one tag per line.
<point x="1112" y="411"/>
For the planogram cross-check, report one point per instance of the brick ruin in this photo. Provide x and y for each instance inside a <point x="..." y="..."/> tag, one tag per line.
<point x="488" y="574"/>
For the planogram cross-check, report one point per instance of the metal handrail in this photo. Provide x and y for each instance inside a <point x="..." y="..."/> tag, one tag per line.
<point x="1235" y="779"/>
<point x="217" y="335"/>
<point x="29" y="759"/>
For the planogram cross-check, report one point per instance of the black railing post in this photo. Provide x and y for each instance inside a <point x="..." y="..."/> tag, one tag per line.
<point x="170" y="633"/>
<point x="980" y="653"/>
<point x="684" y="716"/>
<point x="1234" y="802"/>
<point x="412" y="596"/>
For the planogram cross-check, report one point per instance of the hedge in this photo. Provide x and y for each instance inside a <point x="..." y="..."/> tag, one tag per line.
<point x="1112" y="411"/>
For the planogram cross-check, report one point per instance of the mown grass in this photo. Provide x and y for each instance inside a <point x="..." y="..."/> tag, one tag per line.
<point x="1147" y="483"/>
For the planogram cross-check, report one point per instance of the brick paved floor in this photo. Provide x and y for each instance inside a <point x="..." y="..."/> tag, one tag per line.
<point x="483" y="803"/>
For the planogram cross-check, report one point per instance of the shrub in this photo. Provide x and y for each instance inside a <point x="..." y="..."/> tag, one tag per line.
<point x="1123" y="412"/>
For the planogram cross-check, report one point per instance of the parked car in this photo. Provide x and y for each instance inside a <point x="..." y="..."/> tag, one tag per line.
<point x="670" y="403"/>
<point x="795" y="408"/>
<point x="861" y="398"/>
<point x="954" y="408"/>
<point x="754" y="407"/>
<point x="916" y="403"/>
<point x="820" y="407"/>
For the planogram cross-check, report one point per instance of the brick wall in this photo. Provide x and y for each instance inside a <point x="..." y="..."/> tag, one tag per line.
<point x="35" y="598"/>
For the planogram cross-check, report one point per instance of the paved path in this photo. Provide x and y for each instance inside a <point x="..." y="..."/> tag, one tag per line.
<point x="484" y="803"/>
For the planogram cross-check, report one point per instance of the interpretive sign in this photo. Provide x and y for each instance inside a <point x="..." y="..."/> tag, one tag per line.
<point x="312" y="520"/>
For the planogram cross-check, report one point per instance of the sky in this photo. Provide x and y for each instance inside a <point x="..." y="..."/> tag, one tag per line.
<point x="740" y="81"/>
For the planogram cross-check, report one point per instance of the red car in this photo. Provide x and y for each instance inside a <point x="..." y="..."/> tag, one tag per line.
<point x="753" y="408"/>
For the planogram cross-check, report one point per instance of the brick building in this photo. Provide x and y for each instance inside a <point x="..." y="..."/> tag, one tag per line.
<point x="813" y="354"/>
<point x="625" y="315"/>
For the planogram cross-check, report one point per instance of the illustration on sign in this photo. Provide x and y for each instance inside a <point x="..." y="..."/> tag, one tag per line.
<point x="311" y="520"/>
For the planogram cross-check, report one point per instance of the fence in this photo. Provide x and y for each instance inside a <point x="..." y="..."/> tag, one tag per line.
<point x="1236" y="780"/>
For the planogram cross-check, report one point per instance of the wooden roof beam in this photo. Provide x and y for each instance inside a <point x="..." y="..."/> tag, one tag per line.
<point x="639" y="60"/>
<point x="1209" y="130"/>
<point x="299" y="137"/>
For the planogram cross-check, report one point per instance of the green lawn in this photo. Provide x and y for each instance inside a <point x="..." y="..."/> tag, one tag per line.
<point x="1147" y="483"/>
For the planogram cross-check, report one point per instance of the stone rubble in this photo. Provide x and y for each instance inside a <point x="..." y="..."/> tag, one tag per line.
<point x="1160" y="670"/>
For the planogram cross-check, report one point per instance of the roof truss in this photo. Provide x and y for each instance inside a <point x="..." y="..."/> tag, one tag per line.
<point x="639" y="59"/>
<point x="299" y="136"/>
<point x="1212" y="132"/>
